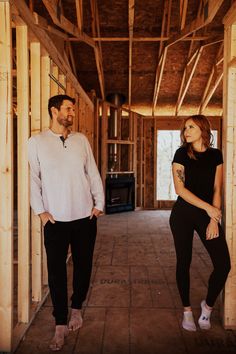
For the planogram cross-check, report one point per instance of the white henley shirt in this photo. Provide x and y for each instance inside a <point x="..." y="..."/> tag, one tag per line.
<point x="64" y="179"/>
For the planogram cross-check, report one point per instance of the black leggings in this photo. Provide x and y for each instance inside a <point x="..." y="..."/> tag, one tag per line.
<point x="184" y="220"/>
<point x="81" y="235"/>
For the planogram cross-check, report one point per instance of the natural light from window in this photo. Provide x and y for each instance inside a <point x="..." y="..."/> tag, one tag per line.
<point x="168" y="141"/>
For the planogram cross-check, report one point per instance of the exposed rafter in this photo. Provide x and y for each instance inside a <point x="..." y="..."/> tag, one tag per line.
<point x="55" y="11"/>
<point x="140" y="39"/>
<point x="49" y="45"/>
<point x="79" y="13"/>
<point x="131" y="33"/>
<point x="187" y="71"/>
<point x="165" y="28"/>
<point x="213" y="81"/>
<point x="43" y="23"/>
<point x="208" y="11"/>
<point x="183" y="12"/>
<point x="187" y="77"/>
<point x="98" y="47"/>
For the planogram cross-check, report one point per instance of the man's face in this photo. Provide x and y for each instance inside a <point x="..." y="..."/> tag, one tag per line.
<point x="66" y="114"/>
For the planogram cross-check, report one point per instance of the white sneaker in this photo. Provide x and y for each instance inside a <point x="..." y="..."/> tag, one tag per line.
<point x="204" y="319"/>
<point x="188" y="321"/>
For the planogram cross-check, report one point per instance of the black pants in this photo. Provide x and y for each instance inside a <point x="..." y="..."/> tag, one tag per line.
<point x="184" y="220"/>
<point x="81" y="235"/>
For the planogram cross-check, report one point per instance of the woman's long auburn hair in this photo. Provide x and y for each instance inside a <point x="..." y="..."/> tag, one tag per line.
<point x="207" y="137"/>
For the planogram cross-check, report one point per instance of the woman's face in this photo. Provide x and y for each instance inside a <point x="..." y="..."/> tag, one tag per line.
<point x="192" y="132"/>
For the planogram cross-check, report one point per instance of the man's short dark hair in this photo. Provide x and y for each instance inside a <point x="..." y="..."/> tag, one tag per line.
<point x="57" y="101"/>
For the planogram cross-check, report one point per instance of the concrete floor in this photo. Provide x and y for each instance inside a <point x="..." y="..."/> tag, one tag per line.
<point x="133" y="306"/>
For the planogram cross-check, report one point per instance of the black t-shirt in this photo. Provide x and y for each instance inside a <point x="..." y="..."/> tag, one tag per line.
<point x="200" y="173"/>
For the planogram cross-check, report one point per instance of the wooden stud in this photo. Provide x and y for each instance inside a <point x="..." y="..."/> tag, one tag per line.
<point x="6" y="180"/>
<point x="104" y="158"/>
<point x="53" y="84"/>
<point x="62" y="80"/>
<point x="23" y="172"/>
<point x="131" y="33"/>
<point x="36" y="240"/>
<point x="45" y="91"/>
<point x="229" y="148"/>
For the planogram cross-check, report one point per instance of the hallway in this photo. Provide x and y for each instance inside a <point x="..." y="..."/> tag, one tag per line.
<point x="133" y="305"/>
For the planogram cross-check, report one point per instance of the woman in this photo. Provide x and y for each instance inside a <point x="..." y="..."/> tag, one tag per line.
<point x="197" y="173"/>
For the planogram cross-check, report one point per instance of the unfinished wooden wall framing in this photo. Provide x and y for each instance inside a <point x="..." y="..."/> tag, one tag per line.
<point x="229" y="148"/>
<point x="6" y="180"/>
<point x="37" y="72"/>
<point x="126" y="141"/>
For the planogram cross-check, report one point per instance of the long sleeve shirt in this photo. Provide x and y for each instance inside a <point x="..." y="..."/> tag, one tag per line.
<point x="64" y="179"/>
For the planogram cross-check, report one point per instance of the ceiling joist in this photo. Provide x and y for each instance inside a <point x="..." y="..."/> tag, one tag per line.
<point x="79" y="14"/>
<point x="49" y="45"/>
<point x="55" y="11"/>
<point x="183" y="12"/>
<point x="165" y="28"/>
<point x="97" y="47"/>
<point x="214" y="79"/>
<point x="208" y="11"/>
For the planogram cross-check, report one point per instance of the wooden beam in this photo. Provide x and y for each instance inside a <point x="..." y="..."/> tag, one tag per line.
<point x="53" y="83"/>
<point x="140" y="39"/>
<point x="6" y="180"/>
<point x="97" y="48"/>
<point x="45" y="90"/>
<point x="190" y="58"/>
<point x="55" y="11"/>
<point x="79" y="13"/>
<point x="165" y="28"/>
<point x="36" y="237"/>
<point x="49" y="45"/>
<point x="22" y="67"/>
<point x="131" y="33"/>
<point x="207" y="14"/>
<point x="229" y="148"/>
<point x="62" y="86"/>
<point x="230" y="17"/>
<point x="43" y="23"/>
<point x="183" y="12"/>
<point x="189" y="78"/>
<point x="210" y="88"/>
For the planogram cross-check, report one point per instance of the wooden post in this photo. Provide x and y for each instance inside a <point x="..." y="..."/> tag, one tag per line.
<point x="54" y="84"/>
<point x="135" y="135"/>
<point x="45" y="91"/>
<point x="6" y="180"/>
<point x="45" y="123"/>
<point x="23" y="173"/>
<point x="104" y="159"/>
<point x="62" y="80"/>
<point x="229" y="148"/>
<point x="36" y="240"/>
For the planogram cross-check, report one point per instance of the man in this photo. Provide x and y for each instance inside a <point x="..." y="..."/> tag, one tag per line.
<point x="67" y="194"/>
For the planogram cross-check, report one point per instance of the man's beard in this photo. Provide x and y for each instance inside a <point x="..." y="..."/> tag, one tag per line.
<point x="64" y="122"/>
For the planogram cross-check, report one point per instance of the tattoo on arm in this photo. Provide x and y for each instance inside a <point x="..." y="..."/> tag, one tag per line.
<point x="180" y="175"/>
